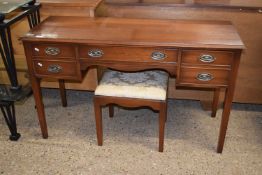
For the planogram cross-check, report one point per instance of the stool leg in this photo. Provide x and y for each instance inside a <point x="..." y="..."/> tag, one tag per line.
<point x="165" y="114"/>
<point x="162" y="121"/>
<point x="62" y="92"/>
<point x="111" y="111"/>
<point x="98" y="117"/>
<point x="215" y="102"/>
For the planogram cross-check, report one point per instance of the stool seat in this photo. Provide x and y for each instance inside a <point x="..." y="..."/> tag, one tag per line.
<point x="143" y="85"/>
<point x="140" y="89"/>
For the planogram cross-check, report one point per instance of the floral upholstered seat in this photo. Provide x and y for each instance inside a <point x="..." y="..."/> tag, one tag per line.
<point x="143" y="85"/>
<point x="147" y="88"/>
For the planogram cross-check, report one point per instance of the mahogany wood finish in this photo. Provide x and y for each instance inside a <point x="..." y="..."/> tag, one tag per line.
<point x="244" y="14"/>
<point x="123" y="53"/>
<point x="69" y="69"/>
<point x="243" y="5"/>
<point x="157" y="105"/>
<point x="51" y="8"/>
<point x="220" y="58"/>
<point x="65" y="51"/>
<point x="66" y="7"/>
<point x="178" y="40"/>
<point x="62" y="92"/>
<point x="215" y="102"/>
<point x="228" y="102"/>
<point x="188" y="76"/>
<point x="111" y="111"/>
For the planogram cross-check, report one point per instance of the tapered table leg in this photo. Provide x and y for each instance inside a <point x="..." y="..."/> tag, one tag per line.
<point x="62" y="92"/>
<point x="99" y="125"/>
<point x="162" y="121"/>
<point x="215" y="102"/>
<point x="224" y="121"/>
<point x="39" y="105"/>
<point x="228" y="103"/>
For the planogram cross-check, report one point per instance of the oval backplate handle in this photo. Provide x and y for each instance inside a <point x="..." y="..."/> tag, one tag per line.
<point x="204" y="77"/>
<point x="54" y="68"/>
<point x="157" y="55"/>
<point x="95" y="53"/>
<point x="52" y="51"/>
<point x="205" y="58"/>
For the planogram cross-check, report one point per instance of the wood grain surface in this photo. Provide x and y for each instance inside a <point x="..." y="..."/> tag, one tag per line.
<point x="248" y="87"/>
<point x="152" y="32"/>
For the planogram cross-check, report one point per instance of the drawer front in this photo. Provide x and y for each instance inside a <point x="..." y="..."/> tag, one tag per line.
<point x="207" y="57"/>
<point x="53" y="51"/>
<point x="56" y="69"/>
<point x="202" y="76"/>
<point x="140" y="54"/>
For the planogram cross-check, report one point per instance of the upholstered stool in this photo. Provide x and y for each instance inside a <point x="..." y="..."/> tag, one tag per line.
<point x="147" y="88"/>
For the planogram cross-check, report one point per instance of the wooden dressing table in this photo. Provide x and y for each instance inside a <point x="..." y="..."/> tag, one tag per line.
<point x="202" y="54"/>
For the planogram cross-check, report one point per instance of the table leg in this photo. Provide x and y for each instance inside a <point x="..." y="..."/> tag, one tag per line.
<point x="39" y="105"/>
<point x="215" y="102"/>
<point x="228" y="103"/>
<point x="62" y="92"/>
<point x="224" y="121"/>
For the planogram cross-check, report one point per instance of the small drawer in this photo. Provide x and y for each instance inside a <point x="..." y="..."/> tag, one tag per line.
<point x="222" y="58"/>
<point x="53" y="51"/>
<point x="202" y="76"/>
<point x="57" y="69"/>
<point x="118" y="53"/>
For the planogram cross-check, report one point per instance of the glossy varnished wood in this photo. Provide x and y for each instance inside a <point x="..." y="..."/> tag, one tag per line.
<point x="70" y="3"/>
<point x="188" y="76"/>
<point x="84" y="8"/>
<point x="35" y="82"/>
<point x="246" y="5"/>
<point x="221" y="58"/>
<point x="124" y="53"/>
<point x="246" y="22"/>
<point x="142" y="32"/>
<point x="182" y="41"/>
<point x="66" y="7"/>
<point x="69" y="69"/>
<point x="228" y="102"/>
<point x="65" y="51"/>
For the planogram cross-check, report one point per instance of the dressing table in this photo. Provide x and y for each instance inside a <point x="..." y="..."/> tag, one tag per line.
<point x="203" y="54"/>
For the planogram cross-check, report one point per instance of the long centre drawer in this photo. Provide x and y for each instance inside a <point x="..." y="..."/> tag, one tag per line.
<point x="118" y="53"/>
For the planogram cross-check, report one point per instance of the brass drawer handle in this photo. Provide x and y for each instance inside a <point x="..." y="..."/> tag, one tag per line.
<point x="54" y="68"/>
<point x="95" y="53"/>
<point x="207" y="58"/>
<point x="158" y="55"/>
<point x="204" y="76"/>
<point x="52" y="51"/>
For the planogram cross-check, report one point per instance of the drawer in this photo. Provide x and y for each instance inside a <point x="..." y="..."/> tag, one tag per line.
<point x="117" y="53"/>
<point x="207" y="57"/>
<point x="53" y="51"/>
<point x="57" y="69"/>
<point x="204" y="76"/>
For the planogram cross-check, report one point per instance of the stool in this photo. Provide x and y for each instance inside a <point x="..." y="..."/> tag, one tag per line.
<point x="140" y="89"/>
